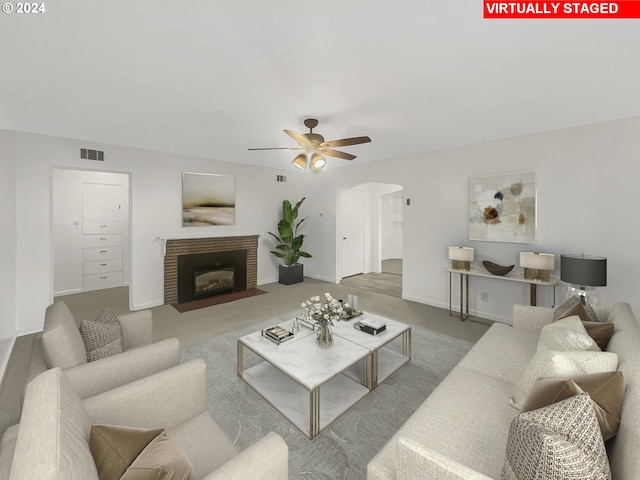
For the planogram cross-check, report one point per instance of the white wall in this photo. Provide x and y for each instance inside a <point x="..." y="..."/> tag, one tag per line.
<point x="588" y="199"/>
<point x="587" y="202"/>
<point x="156" y="210"/>
<point x="7" y="250"/>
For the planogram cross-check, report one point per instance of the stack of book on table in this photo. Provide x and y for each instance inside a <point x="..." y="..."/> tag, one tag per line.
<point x="277" y="334"/>
<point x="370" y="325"/>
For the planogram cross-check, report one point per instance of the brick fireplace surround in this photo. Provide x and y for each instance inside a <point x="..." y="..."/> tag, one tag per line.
<point x="184" y="246"/>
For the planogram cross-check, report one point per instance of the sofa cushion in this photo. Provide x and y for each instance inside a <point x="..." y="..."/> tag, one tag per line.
<point x="102" y="337"/>
<point x="61" y="340"/>
<point x="557" y="442"/>
<point x="568" y="333"/>
<point x="550" y="363"/>
<point x="137" y="453"/>
<point x="53" y="438"/>
<point x="499" y="342"/>
<point x="606" y="390"/>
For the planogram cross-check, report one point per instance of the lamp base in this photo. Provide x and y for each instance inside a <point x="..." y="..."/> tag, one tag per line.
<point x="537" y="274"/>
<point x="587" y="295"/>
<point x="461" y="264"/>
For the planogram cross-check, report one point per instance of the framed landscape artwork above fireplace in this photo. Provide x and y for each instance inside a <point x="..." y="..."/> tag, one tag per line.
<point x="502" y="208"/>
<point x="208" y="199"/>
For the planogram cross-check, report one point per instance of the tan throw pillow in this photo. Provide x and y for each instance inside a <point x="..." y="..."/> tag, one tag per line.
<point x="566" y="334"/>
<point x="114" y="448"/>
<point x="601" y="332"/>
<point x="102" y="337"/>
<point x="550" y="363"/>
<point x="162" y="459"/>
<point x="563" y="309"/>
<point x="557" y="442"/>
<point x="137" y="454"/>
<point x="606" y="390"/>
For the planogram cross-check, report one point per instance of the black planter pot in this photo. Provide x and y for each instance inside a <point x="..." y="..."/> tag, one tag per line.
<point x="292" y="274"/>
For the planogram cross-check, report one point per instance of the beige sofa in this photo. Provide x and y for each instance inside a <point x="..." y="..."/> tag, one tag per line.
<point x="51" y="442"/>
<point x="60" y="345"/>
<point x="461" y="430"/>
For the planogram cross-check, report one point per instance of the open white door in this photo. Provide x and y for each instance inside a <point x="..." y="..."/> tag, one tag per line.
<point x="352" y="232"/>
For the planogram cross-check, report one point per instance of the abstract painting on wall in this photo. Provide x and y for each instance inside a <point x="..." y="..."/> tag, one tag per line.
<point x="502" y="208"/>
<point x="208" y="199"/>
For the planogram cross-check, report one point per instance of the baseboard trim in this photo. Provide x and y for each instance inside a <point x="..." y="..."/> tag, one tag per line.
<point x="5" y="356"/>
<point x="456" y="308"/>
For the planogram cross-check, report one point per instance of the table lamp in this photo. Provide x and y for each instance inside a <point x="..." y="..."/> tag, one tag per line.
<point x="583" y="273"/>
<point x="537" y="266"/>
<point x="461" y="257"/>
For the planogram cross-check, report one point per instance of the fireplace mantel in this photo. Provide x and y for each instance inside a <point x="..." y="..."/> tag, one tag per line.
<point x="191" y="236"/>
<point x="176" y="245"/>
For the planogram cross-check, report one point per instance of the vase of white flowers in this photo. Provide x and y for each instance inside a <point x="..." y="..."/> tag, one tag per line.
<point x="324" y="312"/>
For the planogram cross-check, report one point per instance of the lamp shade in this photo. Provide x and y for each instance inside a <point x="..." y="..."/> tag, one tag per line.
<point x="583" y="270"/>
<point x="317" y="162"/>
<point x="461" y="253"/>
<point x="300" y="161"/>
<point x="537" y="261"/>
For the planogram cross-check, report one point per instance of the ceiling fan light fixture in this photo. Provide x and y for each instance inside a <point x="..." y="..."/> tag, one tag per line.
<point x="317" y="162"/>
<point x="300" y="161"/>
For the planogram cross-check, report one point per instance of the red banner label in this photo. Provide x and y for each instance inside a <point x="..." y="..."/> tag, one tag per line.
<point x="517" y="9"/>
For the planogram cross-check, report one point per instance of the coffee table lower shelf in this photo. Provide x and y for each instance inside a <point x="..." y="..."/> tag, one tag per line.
<point x="309" y="411"/>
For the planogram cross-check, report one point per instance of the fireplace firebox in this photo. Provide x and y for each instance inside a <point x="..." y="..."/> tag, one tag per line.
<point x="204" y="275"/>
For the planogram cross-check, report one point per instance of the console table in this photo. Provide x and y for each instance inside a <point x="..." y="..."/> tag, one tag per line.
<point x="509" y="277"/>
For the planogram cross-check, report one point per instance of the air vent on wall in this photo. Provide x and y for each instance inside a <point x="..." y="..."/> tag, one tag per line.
<point x="89" y="154"/>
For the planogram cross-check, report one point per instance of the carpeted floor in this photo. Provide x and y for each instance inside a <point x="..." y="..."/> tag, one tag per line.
<point x="343" y="450"/>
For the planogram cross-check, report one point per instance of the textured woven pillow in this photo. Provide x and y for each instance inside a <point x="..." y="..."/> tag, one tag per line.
<point x="605" y="389"/>
<point x="558" y="442"/>
<point x="102" y="337"/>
<point x="550" y="363"/>
<point x="570" y="303"/>
<point x="566" y="334"/>
<point x="128" y="453"/>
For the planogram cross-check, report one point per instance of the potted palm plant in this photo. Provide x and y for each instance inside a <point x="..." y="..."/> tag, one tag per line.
<point x="289" y="244"/>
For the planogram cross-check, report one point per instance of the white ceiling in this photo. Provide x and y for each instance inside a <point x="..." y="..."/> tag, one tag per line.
<point x="213" y="78"/>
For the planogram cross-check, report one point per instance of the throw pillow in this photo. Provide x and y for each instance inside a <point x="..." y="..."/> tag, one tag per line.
<point x="550" y="363"/>
<point x="566" y="334"/>
<point x="606" y="390"/>
<point x="162" y="459"/>
<point x="102" y="337"/>
<point x="601" y="332"/>
<point x="114" y="448"/>
<point x="557" y="442"/>
<point x="137" y="454"/>
<point x="572" y="302"/>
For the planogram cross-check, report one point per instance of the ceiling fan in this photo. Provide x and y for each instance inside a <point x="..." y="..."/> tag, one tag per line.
<point x="315" y="147"/>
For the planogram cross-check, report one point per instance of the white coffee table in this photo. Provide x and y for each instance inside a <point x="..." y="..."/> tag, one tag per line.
<point x="384" y="361"/>
<point x="304" y="382"/>
<point x="311" y="386"/>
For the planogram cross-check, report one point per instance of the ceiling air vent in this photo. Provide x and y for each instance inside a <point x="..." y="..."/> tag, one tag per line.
<point x="89" y="154"/>
<point x="281" y="178"/>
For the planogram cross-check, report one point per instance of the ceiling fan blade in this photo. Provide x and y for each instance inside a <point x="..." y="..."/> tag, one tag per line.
<point x="276" y="148"/>
<point x="298" y="137"/>
<point x="345" y="142"/>
<point x="338" y="154"/>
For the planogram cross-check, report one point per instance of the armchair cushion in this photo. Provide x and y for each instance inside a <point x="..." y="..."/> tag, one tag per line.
<point x="61" y="340"/>
<point x="102" y="337"/>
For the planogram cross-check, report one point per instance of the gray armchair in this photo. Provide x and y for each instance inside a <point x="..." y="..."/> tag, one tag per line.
<point x="60" y="345"/>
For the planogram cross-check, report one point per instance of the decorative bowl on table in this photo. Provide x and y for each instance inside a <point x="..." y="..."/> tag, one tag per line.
<point x="496" y="269"/>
